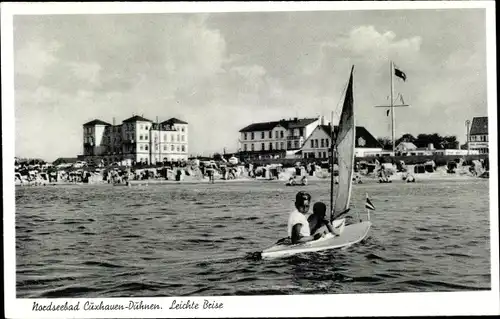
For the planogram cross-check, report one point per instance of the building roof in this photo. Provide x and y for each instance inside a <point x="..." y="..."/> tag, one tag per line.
<point x="96" y="122"/>
<point x="288" y="124"/>
<point x="407" y="145"/>
<point x="65" y="160"/>
<point x="264" y="126"/>
<point x="298" y="123"/>
<point x="174" y="120"/>
<point x="363" y="137"/>
<point x="165" y="128"/>
<point x="136" y="118"/>
<point x="479" y="126"/>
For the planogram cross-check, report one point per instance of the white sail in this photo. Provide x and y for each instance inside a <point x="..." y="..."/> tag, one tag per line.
<point x="344" y="142"/>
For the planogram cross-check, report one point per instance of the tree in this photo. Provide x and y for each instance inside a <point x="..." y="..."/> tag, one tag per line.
<point x="217" y="157"/>
<point x="385" y="142"/>
<point x="406" y="138"/>
<point x="450" y="142"/>
<point x="438" y="141"/>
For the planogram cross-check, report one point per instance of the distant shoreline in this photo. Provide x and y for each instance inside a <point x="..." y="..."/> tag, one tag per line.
<point x="312" y="179"/>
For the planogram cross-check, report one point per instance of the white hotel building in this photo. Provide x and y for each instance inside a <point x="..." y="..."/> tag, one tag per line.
<point x="137" y="139"/>
<point x="281" y="138"/>
<point x="299" y="138"/>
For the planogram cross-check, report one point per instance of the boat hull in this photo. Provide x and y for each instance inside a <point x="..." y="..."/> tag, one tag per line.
<point x="350" y="235"/>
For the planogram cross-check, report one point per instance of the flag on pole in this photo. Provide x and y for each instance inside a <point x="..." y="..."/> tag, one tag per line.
<point x="399" y="73"/>
<point x="368" y="203"/>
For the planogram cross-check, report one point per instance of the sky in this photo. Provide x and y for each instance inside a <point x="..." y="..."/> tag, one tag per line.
<point x="223" y="71"/>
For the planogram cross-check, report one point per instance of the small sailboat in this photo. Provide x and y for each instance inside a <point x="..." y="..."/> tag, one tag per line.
<point x="349" y="234"/>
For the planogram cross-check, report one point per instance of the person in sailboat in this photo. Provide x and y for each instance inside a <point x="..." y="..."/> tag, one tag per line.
<point x="298" y="226"/>
<point x="318" y="219"/>
<point x="319" y="225"/>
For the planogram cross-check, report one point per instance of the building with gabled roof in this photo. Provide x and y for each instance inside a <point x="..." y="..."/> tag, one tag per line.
<point x="136" y="139"/>
<point x="478" y="135"/>
<point x="318" y="144"/>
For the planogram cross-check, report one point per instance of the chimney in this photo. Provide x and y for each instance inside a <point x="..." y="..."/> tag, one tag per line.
<point x="321" y="119"/>
<point x="296" y="119"/>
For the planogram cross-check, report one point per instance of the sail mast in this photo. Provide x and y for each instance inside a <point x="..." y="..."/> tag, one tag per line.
<point x="392" y="110"/>
<point x="332" y="165"/>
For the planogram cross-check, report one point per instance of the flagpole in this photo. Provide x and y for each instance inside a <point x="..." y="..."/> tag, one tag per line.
<point x="332" y="168"/>
<point x="392" y="111"/>
<point x="159" y="140"/>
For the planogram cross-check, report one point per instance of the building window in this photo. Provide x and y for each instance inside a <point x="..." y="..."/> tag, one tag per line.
<point x="282" y="134"/>
<point x="156" y="147"/>
<point x="171" y="148"/>
<point x="277" y="134"/>
<point x="178" y="149"/>
<point x="147" y="127"/>
<point x="164" y="147"/>
<point x="262" y="135"/>
<point x="182" y="138"/>
<point x="270" y="146"/>
<point x="245" y="136"/>
<point x="262" y="147"/>
<point x="182" y="129"/>
<point x="301" y="131"/>
<point x="146" y="147"/>
<point x="270" y="134"/>
<point x="172" y="138"/>
<point x="327" y="142"/>
<point x="141" y="147"/>
<point x="312" y="143"/>
<point x="289" y="144"/>
<point x="146" y="137"/>
<point x="178" y="138"/>
<point x="140" y="137"/>
<point x="245" y="147"/>
<point x="282" y="145"/>
<point x="296" y="144"/>
<point x="322" y="142"/>
<point x="324" y="154"/>
<point x="253" y="148"/>
<point x="316" y="143"/>
<point x="142" y="126"/>
<point x="252" y="135"/>
<point x="277" y="145"/>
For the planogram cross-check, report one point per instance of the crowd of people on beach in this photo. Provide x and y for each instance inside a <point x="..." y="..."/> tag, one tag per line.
<point x="41" y="173"/>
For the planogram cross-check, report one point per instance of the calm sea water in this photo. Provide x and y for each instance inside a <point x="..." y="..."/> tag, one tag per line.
<point x="185" y="240"/>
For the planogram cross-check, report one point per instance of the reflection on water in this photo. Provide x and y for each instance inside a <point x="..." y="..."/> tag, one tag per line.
<point x="183" y="240"/>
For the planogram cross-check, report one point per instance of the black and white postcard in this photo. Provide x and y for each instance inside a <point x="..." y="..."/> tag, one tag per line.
<point x="275" y="159"/>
